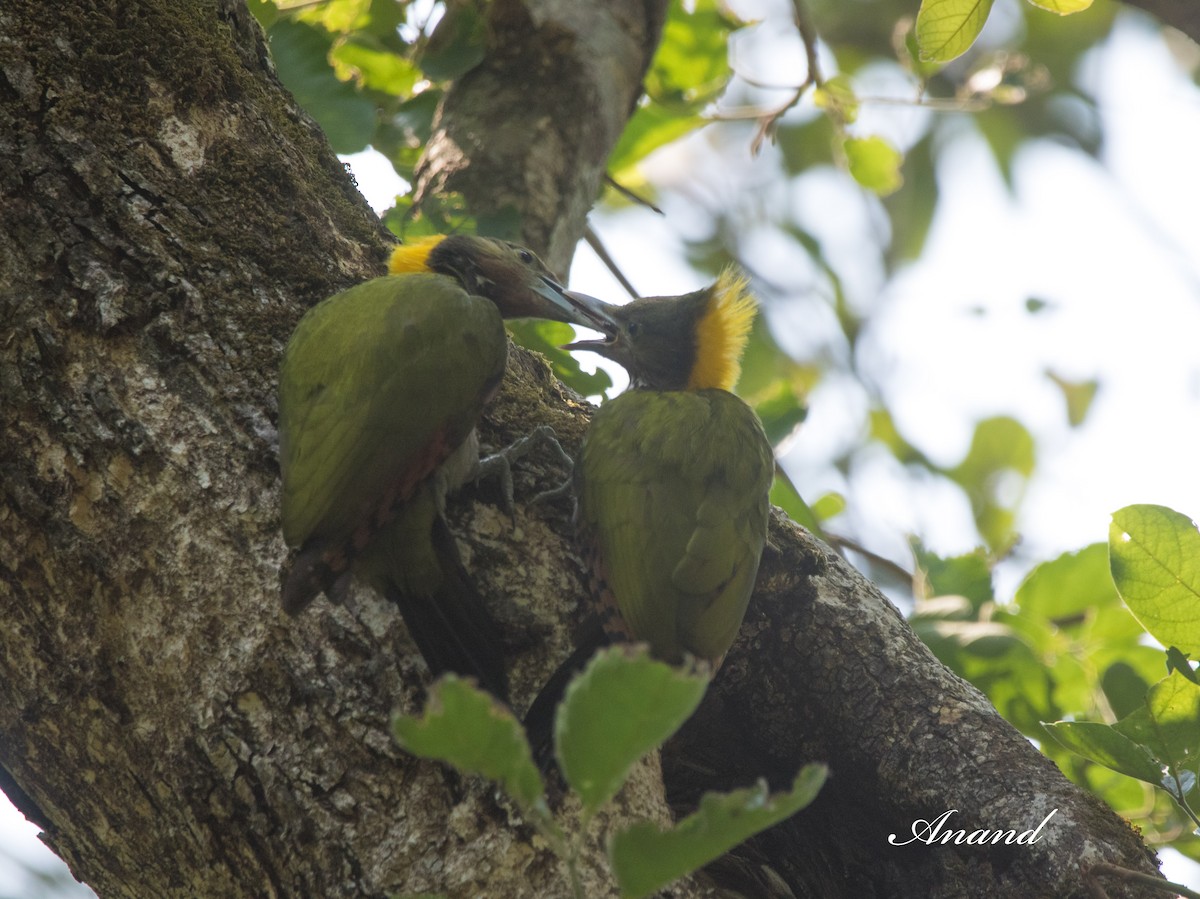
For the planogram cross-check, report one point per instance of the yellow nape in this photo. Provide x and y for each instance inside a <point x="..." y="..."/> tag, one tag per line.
<point x="413" y="256"/>
<point x="722" y="332"/>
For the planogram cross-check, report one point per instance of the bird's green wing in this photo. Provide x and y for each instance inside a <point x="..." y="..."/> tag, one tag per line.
<point x="378" y="384"/>
<point x="673" y="490"/>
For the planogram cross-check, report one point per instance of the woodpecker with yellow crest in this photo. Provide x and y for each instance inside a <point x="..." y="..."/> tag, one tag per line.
<point x="673" y="475"/>
<point x="380" y="391"/>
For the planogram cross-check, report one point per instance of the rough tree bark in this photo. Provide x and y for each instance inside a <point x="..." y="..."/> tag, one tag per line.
<point x="168" y="213"/>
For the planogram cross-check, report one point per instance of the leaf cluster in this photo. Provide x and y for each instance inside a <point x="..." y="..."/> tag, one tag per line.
<point x="623" y="706"/>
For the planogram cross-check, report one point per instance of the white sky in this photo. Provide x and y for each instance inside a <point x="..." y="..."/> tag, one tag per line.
<point x="1114" y="247"/>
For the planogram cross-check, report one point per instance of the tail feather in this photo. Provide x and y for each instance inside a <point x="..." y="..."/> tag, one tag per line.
<point x="452" y="627"/>
<point x="539" y="720"/>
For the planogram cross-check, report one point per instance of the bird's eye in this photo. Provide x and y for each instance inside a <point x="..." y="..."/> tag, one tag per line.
<point x="525" y="256"/>
<point x="633" y="329"/>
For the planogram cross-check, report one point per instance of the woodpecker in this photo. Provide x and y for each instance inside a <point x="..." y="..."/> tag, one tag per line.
<point x="673" y="475"/>
<point x="380" y="391"/>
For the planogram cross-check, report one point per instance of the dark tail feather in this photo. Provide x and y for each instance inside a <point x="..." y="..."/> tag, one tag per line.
<point x="452" y="627"/>
<point x="539" y="720"/>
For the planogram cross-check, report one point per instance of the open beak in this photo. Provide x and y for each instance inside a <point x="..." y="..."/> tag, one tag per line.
<point x="578" y="308"/>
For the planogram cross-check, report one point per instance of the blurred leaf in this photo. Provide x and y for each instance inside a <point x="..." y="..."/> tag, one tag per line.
<point x="1154" y="553"/>
<point x="780" y="411"/>
<point x="1124" y="688"/>
<point x="1108" y="747"/>
<point x="785" y="495"/>
<point x="621" y="707"/>
<point x="457" y="43"/>
<point x="882" y="427"/>
<point x="947" y="28"/>
<point x="365" y="60"/>
<point x="875" y="164"/>
<point x="829" y="505"/>
<point x="651" y="127"/>
<point x="994" y="474"/>
<point x="473" y="732"/>
<point x="1062" y="7"/>
<point x="836" y="96"/>
<point x="911" y="208"/>
<point x="546" y="337"/>
<point x="1068" y="586"/>
<point x="646" y="858"/>
<point x="301" y="58"/>
<point x="1079" y="396"/>
<point x="402" y="136"/>
<point x="691" y="66"/>
<point x="338" y="16"/>
<point x="967" y="575"/>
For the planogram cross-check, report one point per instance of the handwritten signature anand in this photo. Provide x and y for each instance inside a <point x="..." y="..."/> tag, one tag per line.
<point x="936" y="831"/>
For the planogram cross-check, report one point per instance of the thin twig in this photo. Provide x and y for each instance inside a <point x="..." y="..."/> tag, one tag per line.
<point x="808" y="35"/>
<point x="593" y="241"/>
<point x="895" y="568"/>
<point x="630" y="195"/>
<point x="1146" y="880"/>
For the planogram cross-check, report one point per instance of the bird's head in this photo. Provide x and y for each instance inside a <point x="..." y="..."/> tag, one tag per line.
<point x="689" y="342"/>
<point x="508" y="274"/>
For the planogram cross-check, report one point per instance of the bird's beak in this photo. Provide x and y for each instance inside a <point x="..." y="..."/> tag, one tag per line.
<point x="577" y="308"/>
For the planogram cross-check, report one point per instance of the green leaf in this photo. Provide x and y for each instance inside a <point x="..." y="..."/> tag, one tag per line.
<point x="1178" y="661"/>
<point x="836" y="96"/>
<point x="624" y="705"/>
<point x="546" y="337"/>
<point x="1069" y="586"/>
<point x="785" y="495"/>
<point x="946" y="28"/>
<point x="363" y="59"/>
<point x="1124" y="688"/>
<point x="457" y="43"/>
<point x="1079" y="396"/>
<point x="1000" y="448"/>
<point x="650" y="127"/>
<point x="691" y="65"/>
<point x="1062" y="7"/>
<point x="968" y="575"/>
<point x="470" y="730"/>
<point x="1108" y="747"/>
<point x="874" y="163"/>
<point x="1154" y="554"/>
<point x="1168" y="725"/>
<point x="646" y="858"/>
<point x="301" y="58"/>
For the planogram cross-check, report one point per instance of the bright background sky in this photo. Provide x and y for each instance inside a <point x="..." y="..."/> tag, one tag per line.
<point x="1113" y="246"/>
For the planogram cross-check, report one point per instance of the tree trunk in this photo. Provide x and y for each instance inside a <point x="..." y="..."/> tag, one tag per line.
<point x="168" y="214"/>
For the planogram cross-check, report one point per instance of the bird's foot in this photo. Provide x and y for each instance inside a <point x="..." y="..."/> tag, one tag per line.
<point x="499" y="464"/>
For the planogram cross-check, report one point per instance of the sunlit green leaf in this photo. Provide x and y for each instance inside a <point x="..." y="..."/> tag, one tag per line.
<point x="1079" y="396"/>
<point x="874" y="163"/>
<point x="651" y="127"/>
<point x="646" y="858"/>
<point x="1068" y="586"/>
<point x="1154" y="553"/>
<point x="338" y="16"/>
<point x="947" y="28"/>
<point x="691" y="65"/>
<point x="836" y="96"/>
<point x="1169" y="723"/>
<point x="994" y="475"/>
<point x="1062" y="7"/>
<point x="469" y="729"/>
<point x="624" y="705"/>
<point x="367" y="62"/>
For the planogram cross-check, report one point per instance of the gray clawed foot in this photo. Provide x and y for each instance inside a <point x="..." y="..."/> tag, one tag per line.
<point x="499" y="464"/>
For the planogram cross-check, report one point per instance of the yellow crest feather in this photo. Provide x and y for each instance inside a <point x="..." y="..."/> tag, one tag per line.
<point x="722" y="332"/>
<point x="413" y="256"/>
